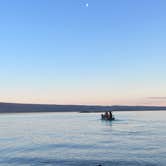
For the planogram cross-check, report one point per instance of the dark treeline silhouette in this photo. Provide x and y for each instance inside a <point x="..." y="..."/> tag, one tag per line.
<point x="21" y="108"/>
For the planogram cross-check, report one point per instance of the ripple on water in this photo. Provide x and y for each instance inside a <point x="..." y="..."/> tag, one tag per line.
<point x="82" y="139"/>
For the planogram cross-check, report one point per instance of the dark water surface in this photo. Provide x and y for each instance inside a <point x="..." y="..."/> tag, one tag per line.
<point x="73" y="139"/>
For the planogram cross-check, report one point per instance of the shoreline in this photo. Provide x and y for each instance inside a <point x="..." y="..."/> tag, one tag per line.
<point x="46" y="108"/>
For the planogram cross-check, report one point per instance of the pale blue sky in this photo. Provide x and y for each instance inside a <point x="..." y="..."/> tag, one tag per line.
<point x="60" y="51"/>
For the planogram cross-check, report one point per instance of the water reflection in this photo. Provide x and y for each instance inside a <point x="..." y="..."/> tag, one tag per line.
<point x="79" y="139"/>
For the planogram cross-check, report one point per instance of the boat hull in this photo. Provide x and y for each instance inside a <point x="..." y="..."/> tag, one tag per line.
<point x="108" y="119"/>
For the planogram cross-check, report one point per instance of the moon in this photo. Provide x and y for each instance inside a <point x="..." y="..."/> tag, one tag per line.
<point x="87" y="5"/>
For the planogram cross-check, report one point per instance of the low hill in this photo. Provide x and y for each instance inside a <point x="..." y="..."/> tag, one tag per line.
<point x="25" y="108"/>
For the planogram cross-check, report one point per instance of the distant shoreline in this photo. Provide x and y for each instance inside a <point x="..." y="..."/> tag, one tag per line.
<point x="44" y="108"/>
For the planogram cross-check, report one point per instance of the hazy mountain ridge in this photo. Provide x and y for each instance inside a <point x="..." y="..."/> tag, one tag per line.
<point x="21" y="108"/>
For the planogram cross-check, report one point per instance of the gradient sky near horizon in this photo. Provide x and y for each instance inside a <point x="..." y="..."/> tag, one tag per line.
<point x="67" y="52"/>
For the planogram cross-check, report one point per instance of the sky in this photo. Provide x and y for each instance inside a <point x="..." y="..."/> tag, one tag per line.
<point x="109" y="52"/>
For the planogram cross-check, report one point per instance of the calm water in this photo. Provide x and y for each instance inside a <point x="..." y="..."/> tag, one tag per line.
<point x="73" y="139"/>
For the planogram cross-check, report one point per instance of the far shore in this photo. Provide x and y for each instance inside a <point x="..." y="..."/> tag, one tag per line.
<point x="45" y="108"/>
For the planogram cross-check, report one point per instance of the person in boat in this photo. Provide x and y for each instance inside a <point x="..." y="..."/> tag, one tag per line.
<point x="110" y="114"/>
<point x="107" y="115"/>
<point x="102" y="116"/>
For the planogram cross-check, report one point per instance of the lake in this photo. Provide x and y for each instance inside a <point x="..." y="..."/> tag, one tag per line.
<point x="78" y="139"/>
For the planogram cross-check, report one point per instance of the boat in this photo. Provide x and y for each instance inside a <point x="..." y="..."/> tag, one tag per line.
<point x="109" y="119"/>
<point x="104" y="117"/>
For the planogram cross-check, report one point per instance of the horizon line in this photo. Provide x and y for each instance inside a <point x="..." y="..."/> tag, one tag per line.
<point x="97" y="105"/>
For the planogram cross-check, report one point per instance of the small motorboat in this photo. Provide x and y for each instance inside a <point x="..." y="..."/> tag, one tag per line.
<point x="107" y="116"/>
